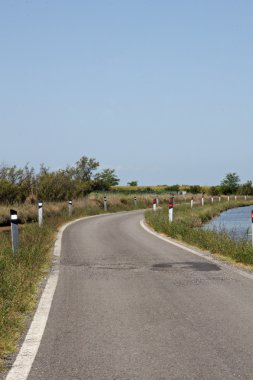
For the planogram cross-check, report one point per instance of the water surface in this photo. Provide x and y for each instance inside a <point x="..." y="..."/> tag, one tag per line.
<point x="236" y="222"/>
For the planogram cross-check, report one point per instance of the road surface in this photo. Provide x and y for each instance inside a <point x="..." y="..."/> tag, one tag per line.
<point x="131" y="306"/>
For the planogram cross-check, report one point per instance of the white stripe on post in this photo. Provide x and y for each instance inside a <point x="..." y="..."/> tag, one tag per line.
<point x="202" y="200"/>
<point x="40" y="212"/>
<point x="192" y="202"/>
<point x="14" y="230"/>
<point x="171" y="204"/>
<point x="70" y="207"/>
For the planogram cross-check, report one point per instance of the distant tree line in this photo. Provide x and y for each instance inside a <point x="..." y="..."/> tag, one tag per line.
<point x="229" y="185"/>
<point x="22" y="184"/>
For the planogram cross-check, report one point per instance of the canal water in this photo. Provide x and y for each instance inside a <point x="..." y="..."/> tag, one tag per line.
<point x="236" y="222"/>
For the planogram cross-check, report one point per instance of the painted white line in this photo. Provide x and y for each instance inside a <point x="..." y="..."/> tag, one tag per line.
<point x="204" y="256"/>
<point x="25" y="358"/>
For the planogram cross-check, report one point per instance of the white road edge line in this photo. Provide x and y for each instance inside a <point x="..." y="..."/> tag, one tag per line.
<point x="21" y="367"/>
<point x="208" y="258"/>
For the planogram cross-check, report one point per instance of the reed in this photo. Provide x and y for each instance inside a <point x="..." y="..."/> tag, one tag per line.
<point x="186" y="227"/>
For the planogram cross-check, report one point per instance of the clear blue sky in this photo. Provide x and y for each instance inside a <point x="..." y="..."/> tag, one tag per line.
<point x="162" y="91"/>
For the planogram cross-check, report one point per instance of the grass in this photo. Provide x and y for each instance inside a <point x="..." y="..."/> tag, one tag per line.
<point x="186" y="228"/>
<point x="94" y="203"/>
<point x="22" y="273"/>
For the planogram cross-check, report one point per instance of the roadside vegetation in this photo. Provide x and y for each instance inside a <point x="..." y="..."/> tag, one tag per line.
<point x="186" y="227"/>
<point x="19" y="185"/>
<point x="20" y="188"/>
<point x="21" y="273"/>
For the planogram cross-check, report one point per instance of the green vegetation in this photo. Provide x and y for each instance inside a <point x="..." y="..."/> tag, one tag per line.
<point x="186" y="228"/>
<point x="20" y="188"/>
<point x="230" y="184"/>
<point x="23" y="184"/>
<point x="134" y="189"/>
<point x="21" y="273"/>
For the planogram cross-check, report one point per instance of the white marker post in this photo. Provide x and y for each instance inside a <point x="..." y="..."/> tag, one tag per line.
<point x="154" y="204"/>
<point x="14" y="230"/>
<point x="70" y="207"/>
<point x="40" y="212"/>
<point x="235" y="197"/>
<point x="192" y="202"/>
<point x="157" y="200"/>
<point x="219" y="198"/>
<point x="212" y="200"/>
<point x="202" y="200"/>
<point x="135" y="201"/>
<point x="171" y="204"/>
<point x="228" y="198"/>
<point x="245" y="197"/>
<point x="105" y="203"/>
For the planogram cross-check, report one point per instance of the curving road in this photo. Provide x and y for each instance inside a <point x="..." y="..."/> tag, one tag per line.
<point x="131" y="306"/>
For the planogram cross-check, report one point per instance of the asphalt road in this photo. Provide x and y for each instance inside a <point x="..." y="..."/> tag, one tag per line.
<point x="131" y="306"/>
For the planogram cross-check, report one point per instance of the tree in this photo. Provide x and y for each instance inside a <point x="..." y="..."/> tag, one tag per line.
<point x="106" y="179"/>
<point x="8" y="192"/>
<point x="11" y="173"/>
<point x="84" y="168"/>
<point x="195" y="189"/>
<point x="230" y="184"/>
<point x="133" y="183"/>
<point x="214" y="190"/>
<point x="55" y="186"/>
<point x="173" y="188"/>
<point x="246" y="188"/>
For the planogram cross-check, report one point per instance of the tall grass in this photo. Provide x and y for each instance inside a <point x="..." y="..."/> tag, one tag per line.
<point x="186" y="227"/>
<point x="91" y="204"/>
<point x="21" y="273"/>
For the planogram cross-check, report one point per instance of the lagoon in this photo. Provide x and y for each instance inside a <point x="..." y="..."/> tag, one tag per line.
<point x="236" y="222"/>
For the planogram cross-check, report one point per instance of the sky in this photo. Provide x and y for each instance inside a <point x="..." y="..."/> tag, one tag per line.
<point x="161" y="91"/>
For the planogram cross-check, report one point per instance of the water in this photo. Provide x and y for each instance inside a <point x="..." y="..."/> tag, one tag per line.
<point x="236" y="222"/>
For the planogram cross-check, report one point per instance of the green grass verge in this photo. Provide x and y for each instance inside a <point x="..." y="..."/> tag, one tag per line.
<point x="186" y="227"/>
<point x="21" y="273"/>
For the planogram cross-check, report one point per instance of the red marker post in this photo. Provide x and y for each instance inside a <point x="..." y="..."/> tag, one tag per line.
<point x="171" y="205"/>
<point x="154" y="204"/>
